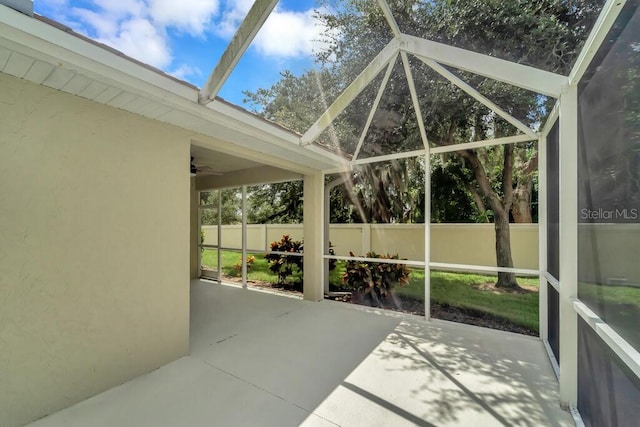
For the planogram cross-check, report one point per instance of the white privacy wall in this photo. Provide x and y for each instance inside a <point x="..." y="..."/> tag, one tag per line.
<point x="468" y="244"/>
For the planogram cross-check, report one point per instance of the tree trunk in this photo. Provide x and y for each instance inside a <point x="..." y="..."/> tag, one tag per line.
<point x="503" y="249"/>
<point x="521" y="208"/>
<point x="500" y="207"/>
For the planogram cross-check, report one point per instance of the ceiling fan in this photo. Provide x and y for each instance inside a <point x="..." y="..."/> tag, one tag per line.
<point x="202" y="170"/>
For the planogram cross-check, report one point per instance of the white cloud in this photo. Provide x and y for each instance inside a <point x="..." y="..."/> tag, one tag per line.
<point x="232" y="16"/>
<point x="191" y="16"/>
<point x="290" y="34"/>
<point x="102" y="25"/>
<point x="121" y="9"/>
<point x="138" y="38"/>
<point x="142" y="28"/>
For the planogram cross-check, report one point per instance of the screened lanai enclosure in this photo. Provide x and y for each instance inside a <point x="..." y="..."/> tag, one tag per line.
<point x="531" y="109"/>
<point x="400" y="145"/>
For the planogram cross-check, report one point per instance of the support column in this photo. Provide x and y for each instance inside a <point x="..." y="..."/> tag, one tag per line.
<point x="568" y="246"/>
<point x="313" y="237"/>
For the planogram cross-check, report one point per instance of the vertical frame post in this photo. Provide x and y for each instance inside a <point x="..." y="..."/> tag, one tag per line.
<point x="427" y="234"/>
<point x="244" y="236"/>
<point x="568" y="151"/>
<point x="542" y="238"/>
<point x="219" y="236"/>
<point x="200" y="248"/>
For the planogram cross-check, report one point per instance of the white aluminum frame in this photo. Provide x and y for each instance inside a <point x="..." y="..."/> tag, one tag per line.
<point x="568" y="150"/>
<point x="219" y="235"/>
<point x="435" y="55"/>
<point x="543" y="314"/>
<point x="218" y="208"/>
<point x="629" y="355"/>
<point x="427" y="233"/>
<point x="244" y="236"/>
<point x="243" y="37"/>
<point x="374" y="107"/>
<point x="367" y="75"/>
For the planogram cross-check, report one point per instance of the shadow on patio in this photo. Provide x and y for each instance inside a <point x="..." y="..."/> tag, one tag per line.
<point x="265" y="360"/>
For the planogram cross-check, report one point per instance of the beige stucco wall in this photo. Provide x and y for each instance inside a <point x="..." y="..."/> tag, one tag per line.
<point x="467" y="244"/>
<point x="94" y="248"/>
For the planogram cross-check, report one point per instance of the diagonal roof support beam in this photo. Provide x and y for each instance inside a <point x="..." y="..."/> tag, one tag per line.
<point x="415" y="99"/>
<point x="351" y="92"/>
<point x="374" y="108"/>
<point x="519" y="75"/>
<point x="481" y="144"/>
<point x="464" y="86"/>
<point x="243" y="37"/>
<point x="605" y="21"/>
<point x="391" y="20"/>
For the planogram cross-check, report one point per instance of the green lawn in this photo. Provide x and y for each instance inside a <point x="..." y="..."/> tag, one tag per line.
<point x="453" y="289"/>
<point x="258" y="271"/>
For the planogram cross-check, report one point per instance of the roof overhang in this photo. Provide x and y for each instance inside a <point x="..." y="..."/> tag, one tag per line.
<point x="47" y="53"/>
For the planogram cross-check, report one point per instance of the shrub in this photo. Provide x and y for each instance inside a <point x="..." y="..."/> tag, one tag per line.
<point x="283" y="265"/>
<point x="375" y="281"/>
<point x="238" y="266"/>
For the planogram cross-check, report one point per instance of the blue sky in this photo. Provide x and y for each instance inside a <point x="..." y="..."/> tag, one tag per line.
<point x="187" y="37"/>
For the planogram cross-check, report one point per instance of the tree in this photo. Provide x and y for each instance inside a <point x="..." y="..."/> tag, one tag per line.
<point x="546" y="34"/>
<point x="231" y="207"/>
<point x="275" y="203"/>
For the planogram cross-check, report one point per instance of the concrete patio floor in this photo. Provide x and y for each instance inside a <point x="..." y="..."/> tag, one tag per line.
<point x="265" y="360"/>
